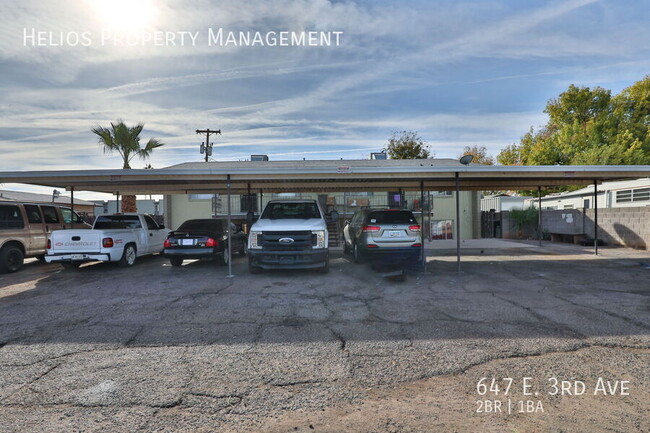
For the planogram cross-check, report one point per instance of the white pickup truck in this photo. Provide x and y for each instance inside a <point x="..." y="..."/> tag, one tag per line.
<point x="290" y="234"/>
<point x="117" y="238"/>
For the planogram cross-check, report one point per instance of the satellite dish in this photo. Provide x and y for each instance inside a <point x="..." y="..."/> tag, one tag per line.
<point x="466" y="159"/>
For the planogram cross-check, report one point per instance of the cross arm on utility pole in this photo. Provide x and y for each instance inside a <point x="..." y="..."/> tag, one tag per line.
<point x="207" y="147"/>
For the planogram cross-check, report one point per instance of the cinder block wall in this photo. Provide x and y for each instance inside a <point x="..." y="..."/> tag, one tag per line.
<point x="628" y="226"/>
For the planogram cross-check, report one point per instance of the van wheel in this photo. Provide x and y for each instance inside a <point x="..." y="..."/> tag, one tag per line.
<point x="252" y="268"/>
<point x="176" y="261"/>
<point x="70" y="265"/>
<point x="128" y="256"/>
<point x="11" y="259"/>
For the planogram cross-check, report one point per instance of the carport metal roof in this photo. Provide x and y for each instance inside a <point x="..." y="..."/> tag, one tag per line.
<point x="322" y="176"/>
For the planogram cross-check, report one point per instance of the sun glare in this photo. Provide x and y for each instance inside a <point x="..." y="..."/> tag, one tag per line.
<point x="125" y="15"/>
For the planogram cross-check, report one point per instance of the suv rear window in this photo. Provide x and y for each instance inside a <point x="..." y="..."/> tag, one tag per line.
<point x="391" y="217"/>
<point x="288" y="210"/>
<point x="118" y="222"/>
<point x="10" y="217"/>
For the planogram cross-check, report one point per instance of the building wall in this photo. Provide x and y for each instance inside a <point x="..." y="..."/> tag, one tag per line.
<point x="181" y="207"/>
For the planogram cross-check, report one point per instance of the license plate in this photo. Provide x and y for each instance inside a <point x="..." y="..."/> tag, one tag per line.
<point x="394" y="233"/>
<point x="78" y="257"/>
<point x="186" y="241"/>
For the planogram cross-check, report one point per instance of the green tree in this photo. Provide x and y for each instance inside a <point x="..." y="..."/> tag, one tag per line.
<point x="407" y="145"/>
<point x="589" y="126"/>
<point x="479" y="153"/>
<point x="125" y="140"/>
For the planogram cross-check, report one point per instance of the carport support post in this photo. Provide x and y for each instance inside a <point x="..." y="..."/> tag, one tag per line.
<point x="230" y="275"/>
<point x="117" y="202"/>
<point x="71" y="205"/>
<point x="539" y="214"/>
<point x="595" y="217"/>
<point x="458" y="221"/>
<point x="424" y="261"/>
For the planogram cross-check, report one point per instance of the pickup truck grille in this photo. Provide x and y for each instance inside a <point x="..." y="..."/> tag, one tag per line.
<point x="302" y="240"/>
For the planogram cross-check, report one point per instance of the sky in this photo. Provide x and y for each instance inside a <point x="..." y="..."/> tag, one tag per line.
<point x="460" y="73"/>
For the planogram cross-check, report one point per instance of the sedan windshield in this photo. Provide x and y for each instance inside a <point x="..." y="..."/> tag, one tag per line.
<point x="288" y="210"/>
<point x="201" y="225"/>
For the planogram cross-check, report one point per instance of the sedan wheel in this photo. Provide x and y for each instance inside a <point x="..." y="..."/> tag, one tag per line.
<point x="176" y="261"/>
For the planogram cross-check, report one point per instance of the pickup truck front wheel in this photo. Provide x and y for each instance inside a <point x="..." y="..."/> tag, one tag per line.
<point x="128" y="257"/>
<point x="252" y="268"/>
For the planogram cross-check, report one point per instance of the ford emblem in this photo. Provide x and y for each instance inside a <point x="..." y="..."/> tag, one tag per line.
<point x="286" y="240"/>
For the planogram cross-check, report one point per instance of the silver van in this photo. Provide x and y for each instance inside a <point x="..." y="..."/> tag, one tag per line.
<point x="25" y="227"/>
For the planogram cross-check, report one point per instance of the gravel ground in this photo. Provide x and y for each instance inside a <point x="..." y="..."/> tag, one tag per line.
<point x="157" y="348"/>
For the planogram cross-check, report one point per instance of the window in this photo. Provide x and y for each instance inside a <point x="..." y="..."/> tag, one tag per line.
<point x="288" y="210"/>
<point x="201" y="196"/>
<point x="50" y="215"/>
<point x="624" y="196"/>
<point x="117" y="222"/>
<point x="10" y="217"/>
<point x="391" y="217"/>
<point x="442" y="229"/>
<point x="641" y="194"/>
<point x="69" y="216"/>
<point x="441" y="193"/>
<point x="568" y="206"/>
<point x="33" y="214"/>
<point x="151" y="224"/>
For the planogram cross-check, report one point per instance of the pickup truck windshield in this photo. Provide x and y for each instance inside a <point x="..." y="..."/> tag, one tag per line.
<point x="104" y="222"/>
<point x="291" y="211"/>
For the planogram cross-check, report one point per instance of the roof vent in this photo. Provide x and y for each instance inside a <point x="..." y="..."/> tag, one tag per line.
<point x="259" y="157"/>
<point x="378" y="155"/>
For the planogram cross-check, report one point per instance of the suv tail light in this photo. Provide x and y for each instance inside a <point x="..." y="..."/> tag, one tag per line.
<point x="49" y="244"/>
<point x="367" y="229"/>
<point x="167" y="244"/>
<point x="415" y="228"/>
<point x="107" y="242"/>
<point x="211" y="243"/>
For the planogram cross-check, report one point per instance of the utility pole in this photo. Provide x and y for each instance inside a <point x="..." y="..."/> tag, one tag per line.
<point x="206" y="148"/>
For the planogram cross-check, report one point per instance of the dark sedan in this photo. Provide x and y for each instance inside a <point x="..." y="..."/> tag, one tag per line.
<point x="203" y="238"/>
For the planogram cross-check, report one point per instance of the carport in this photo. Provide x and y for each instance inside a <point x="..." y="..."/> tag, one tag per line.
<point x="245" y="177"/>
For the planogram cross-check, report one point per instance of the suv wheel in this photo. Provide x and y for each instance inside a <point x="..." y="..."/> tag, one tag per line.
<point x="356" y="254"/>
<point x="128" y="256"/>
<point x="11" y="259"/>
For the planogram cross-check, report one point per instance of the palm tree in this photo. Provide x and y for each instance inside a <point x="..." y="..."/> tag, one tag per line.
<point x="125" y="140"/>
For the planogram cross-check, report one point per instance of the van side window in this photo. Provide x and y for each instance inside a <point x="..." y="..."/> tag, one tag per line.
<point x="33" y="214"/>
<point x="50" y="215"/>
<point x="10" y="217"/>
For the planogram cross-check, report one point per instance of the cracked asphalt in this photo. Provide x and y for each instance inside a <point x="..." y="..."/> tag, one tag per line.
<point x="157" y="348"/>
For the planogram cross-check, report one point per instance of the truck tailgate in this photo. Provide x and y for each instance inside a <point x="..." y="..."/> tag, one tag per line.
<point x="75" y="241"/>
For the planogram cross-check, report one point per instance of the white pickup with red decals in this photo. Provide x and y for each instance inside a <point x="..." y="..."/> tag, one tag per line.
<point x="112" y="237"/>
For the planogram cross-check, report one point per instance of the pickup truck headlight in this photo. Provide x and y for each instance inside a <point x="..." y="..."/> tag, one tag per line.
<point x="320" y="238"/>
<point x="254" y="241"/>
